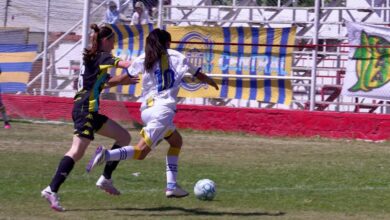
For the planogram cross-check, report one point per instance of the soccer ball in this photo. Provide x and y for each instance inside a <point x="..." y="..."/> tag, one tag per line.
<point x="205" y="189"/>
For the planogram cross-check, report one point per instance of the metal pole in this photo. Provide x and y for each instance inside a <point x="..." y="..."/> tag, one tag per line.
<point x="85" y="34"/>
<point x="45" y="43"/>
<point x="6" y="12"/>
<point x="160" y="13"/>
<point x="56" y="61"/>
<point x="317" y="6"/>
<point x="67" y="32"/>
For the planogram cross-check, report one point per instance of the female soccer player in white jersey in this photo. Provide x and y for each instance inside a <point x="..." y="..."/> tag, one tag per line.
<point x="162" y="71"/>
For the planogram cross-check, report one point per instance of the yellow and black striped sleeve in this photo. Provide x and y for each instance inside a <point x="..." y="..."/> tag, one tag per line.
<point x="107" y="61"/>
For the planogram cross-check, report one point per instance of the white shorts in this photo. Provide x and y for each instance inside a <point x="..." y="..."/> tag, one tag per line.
<point x="158" y="122"/>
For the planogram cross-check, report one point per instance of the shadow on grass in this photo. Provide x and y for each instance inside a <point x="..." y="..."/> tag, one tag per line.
<point x="162" y="211"/>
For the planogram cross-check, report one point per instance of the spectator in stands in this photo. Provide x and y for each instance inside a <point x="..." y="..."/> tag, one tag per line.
<point x="140" y="15"/>
<point x="154" y="13"/>
<point x="113" y="14"/>
<point x="7" y="125"/>
<point x="159" y="106"/>
<point x="87" y="121"/>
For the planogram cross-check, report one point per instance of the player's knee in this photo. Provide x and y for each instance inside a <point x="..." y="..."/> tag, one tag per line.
<point x="175" y="140"/>
<point x="142" y="157"/>
<point x="179" y="143"/>
<point x="144" y="151"/>
<point x="76" y="155"/>
<point x="124" y="139"/>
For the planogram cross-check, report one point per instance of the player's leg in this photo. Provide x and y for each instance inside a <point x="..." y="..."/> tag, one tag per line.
<point x="122" y="137"/>
<point x="102" y="155"/>
<point x="4" y="115"/>
<point x="137" y="152"/>
<point x="64" y="168"/>
<point x="84" y="134"/>
<point x="175" y="143"/>
<point x="151" y="134"/>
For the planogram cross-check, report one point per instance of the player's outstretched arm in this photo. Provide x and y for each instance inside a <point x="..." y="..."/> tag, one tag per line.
<point x="124" y="64"/>
<point x="206" y="79"/>
<point x="123" y="79"/>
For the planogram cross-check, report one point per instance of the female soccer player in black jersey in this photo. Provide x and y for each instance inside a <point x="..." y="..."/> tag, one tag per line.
<point x="87" y="120"/>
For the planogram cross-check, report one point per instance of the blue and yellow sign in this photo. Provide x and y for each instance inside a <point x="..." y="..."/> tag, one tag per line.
<point x="15" y="64"/>
<point x="225" y="50"/>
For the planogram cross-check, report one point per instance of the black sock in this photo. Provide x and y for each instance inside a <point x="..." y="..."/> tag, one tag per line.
<point x="110" y="165"/>
<point x="63" y="170"/>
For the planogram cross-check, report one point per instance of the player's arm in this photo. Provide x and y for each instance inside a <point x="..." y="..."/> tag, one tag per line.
<point x="123" y="64"/>
<point x="196" y="72"/>
<point x="132" y="70"/>
<point x="206" y="79"/>
<point x="123" y="79"/>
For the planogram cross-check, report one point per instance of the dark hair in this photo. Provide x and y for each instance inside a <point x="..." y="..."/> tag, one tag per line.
<point x="156" y="45"/>
<point x="99" y="34"/>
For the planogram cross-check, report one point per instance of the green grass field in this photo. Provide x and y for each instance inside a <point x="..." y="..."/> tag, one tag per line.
<point x="257" y="178"/>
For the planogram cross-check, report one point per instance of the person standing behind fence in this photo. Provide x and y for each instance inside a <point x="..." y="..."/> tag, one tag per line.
<point x="7" y="125"/>
<point x="87" y="121"/>
<point x="162" y="72"/>
<point x="113" y="14"/>
<point x="140" y="15"/>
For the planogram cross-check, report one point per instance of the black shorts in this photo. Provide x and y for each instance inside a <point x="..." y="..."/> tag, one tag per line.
<point x="87" y="123"/>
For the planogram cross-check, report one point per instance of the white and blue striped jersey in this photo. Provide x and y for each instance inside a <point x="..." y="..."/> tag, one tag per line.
<point x="161" y="84"/>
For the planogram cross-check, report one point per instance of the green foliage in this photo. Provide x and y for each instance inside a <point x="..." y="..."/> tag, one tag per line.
<point x="221" y="2"/>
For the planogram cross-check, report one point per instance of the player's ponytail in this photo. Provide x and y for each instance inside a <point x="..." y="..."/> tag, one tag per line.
<point x="157" y="44"/>
<point x="96" y="39"/>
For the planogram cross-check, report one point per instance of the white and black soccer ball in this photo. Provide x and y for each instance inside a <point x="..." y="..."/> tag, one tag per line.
<point x="205" y="189"/>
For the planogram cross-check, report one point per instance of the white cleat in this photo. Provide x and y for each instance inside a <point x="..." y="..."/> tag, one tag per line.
<point x="107" y="185"/>
<point x="177" y="192"/>
<point x="53" y="199"/>
<point x="98" y="158"/>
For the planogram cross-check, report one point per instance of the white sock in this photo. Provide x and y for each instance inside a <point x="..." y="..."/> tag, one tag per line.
<point x="171" y="165"/>
<point x="122" y="153"/>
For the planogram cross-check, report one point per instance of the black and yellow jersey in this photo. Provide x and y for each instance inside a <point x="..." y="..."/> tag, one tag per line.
<point x="92" y="79"/>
